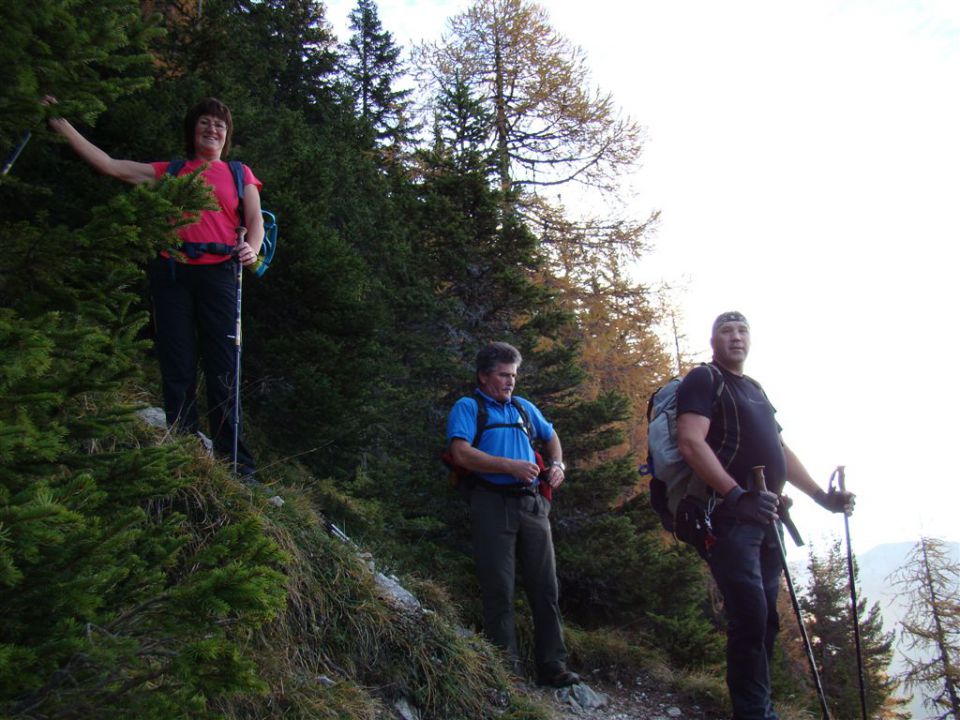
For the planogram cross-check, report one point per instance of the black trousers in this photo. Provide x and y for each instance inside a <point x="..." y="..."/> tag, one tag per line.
<point x="746" y="564"/>
<point x="194" y="309"/>
<point x="508" y="531"/>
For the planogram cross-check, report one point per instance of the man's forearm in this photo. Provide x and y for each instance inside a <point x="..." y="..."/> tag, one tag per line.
<point x="553" y="449"/>
<point x="798" y="476"/>
<point x="476" y="460"/>
<point x="701" y="458"/>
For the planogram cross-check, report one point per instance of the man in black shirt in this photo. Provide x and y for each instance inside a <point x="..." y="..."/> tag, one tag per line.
<point x="722" y="438"/>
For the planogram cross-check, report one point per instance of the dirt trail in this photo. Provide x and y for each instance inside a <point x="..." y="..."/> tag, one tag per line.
<point x="640" y="700"/>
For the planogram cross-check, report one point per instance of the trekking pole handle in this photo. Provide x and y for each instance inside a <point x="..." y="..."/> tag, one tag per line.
<point x="760" y="483"/>
<point x="242" y="236"/>
<point x="16" y="153"/>
<point x="758" y="478"/>
<point x="838" y="475"/>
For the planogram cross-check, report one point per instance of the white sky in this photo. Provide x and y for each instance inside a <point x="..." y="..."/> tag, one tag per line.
<point x="805" y="158"/>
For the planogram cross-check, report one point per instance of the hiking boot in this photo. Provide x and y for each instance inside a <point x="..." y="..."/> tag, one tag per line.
<point x="557" y="675"/>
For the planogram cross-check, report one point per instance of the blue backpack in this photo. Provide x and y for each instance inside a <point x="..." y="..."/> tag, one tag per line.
<point x="270" y="229"/>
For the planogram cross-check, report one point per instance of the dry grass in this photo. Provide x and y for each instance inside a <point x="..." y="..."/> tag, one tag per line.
<point x="339" y="649"/>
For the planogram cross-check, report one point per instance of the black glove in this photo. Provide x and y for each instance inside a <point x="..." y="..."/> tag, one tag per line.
<point x="835" y="501"/>
<point x="755" y="506"/>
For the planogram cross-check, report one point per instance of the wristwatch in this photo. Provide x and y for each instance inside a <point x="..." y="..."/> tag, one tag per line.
<point x="559" y="464"/>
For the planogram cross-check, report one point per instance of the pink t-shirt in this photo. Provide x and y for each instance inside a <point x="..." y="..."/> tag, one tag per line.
<point x="213" y="226"/>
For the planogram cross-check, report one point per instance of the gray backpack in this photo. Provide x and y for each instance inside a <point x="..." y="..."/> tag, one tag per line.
<point x="672" y="479"/>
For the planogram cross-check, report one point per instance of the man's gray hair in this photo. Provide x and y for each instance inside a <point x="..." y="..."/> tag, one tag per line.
<point x="494" y="354"/>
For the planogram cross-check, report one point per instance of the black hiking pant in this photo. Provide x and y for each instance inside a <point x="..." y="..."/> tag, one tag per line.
<point x="509" y="531"/>
<point x="194" y="309"/>
<point x="746" y="564"/>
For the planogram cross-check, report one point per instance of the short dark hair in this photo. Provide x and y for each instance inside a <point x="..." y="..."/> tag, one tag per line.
<point x="496" y="353"/>
<point x="207" y="106"/>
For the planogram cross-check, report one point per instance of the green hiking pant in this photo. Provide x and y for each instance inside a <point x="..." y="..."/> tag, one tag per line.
<point x="511" y="531"/>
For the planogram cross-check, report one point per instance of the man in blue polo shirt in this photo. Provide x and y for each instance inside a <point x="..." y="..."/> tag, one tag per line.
<point x="510" y="509"/>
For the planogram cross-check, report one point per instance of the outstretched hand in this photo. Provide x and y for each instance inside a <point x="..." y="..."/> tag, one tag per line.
<point x="54" y="123"/>
<point x="836" y="501"/>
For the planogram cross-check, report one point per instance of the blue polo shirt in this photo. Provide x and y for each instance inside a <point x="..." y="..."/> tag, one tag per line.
<point x="508" y="442"/>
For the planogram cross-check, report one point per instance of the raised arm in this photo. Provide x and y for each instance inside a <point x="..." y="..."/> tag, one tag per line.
<point x="126" y="170"/>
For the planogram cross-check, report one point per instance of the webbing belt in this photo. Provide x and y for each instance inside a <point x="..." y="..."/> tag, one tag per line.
<point x="508" y="490"/>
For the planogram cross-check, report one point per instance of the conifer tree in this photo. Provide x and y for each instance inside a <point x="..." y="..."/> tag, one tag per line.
<point x="931" y="630"/>
<point x="372" y="67"/>
<point x="616" y="321"/>
<point x="111" y="609"/>
<point x="88" y="53"/>
<point x="826" y="606"/>
<point x="279" y="53"/>
<point x="356" y="343"/>
<point x="548" y="125"/>
<point x="482" y="254"/>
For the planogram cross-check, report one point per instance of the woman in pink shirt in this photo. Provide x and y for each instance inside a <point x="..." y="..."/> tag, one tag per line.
<point x="194" y="291"/>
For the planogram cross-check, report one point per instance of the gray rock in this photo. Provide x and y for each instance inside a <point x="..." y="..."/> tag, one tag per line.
<point x="206" y="442"/>
<point x="153" y="416"/>
<point x="406" y="712"/>
<point x="583" y="697"/>
<point x="393" y="591"/>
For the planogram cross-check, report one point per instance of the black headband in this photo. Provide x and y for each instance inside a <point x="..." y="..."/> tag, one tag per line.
<point x="732" y="316"/>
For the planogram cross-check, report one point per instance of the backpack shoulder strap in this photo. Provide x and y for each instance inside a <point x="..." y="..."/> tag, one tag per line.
<point x="717" y="380"/>
<point x="524" y="418"/>
<point x="481" y="418"/>
<point x="236" y="169"/>
<point x="525" y="425"/>
<point x="175" y="166"/>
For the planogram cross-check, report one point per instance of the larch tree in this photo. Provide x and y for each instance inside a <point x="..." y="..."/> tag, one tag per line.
<point x="548" y="124"/>
<point x="548" y="127"/>
<point x="931" y="628"/>
<point x="616" y="319"/>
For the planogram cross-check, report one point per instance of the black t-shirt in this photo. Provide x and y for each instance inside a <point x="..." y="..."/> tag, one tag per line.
<point x="743" y="430"/>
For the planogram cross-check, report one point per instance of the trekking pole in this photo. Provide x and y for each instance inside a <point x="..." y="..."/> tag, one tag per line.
<point x="839" y="474"/>
<point x="16" y="153"/>
<point x="241" y="234"/>
<point x="761" y="485"/>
